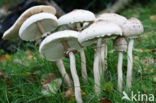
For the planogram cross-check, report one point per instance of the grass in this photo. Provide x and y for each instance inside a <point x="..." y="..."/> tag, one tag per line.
<point x="25" y="72"/>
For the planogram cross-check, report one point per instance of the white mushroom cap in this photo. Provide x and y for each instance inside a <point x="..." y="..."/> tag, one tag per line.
<point x="112" y="17"/>
<point x="75" y="16"/>
<point x="12" y="32"/>
<point x="132" y="28"/>
<point x="99" y="29"/>
<point x="51" y="47"/>
<point x="30" y="31"/>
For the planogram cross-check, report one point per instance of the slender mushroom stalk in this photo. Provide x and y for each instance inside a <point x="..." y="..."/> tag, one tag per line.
<point x="96" y="73"/>
<point x="73" y="71"/>
<point x="130" y="63"/>
<point x="75" y="78"/>
<point x="120" y="77"/>
<point x="63" y="72"/>
<point x="132" y="28"/>
<point x="96" y="68"/>
<point x="120" y="46"/>
<point x="83" y="65"/>
<point x="104" y="56"/>
<point x="83" y="58"/>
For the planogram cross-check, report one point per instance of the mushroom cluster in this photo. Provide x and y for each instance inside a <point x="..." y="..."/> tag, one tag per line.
<point x="77" y="30"/>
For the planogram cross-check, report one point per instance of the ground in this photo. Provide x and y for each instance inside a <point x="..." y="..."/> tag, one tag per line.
<point x="24" y="69"/>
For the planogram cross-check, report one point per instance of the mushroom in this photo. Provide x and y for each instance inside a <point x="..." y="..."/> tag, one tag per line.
<point x="76" y="17"/>
<point x="132" y="28"/>
<point x="56" y="46"/>
<point x="94" y="34"/>
<point x="36" y="26"/>
<point x="114" y="18"/>
<point x="120" y="45"/>
<point x="74" y="20"/>
<point x="12" y="32"/>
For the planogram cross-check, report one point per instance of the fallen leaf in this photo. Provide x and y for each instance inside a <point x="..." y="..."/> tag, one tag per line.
<point x="69" y="93"/>
<point x="47" y="78"/>
<point x="44" y="82"/>
<point x="51" y="88"/>
<point x="104" y="100"/>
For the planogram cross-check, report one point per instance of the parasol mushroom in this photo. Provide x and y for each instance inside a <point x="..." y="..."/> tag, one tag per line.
<point x="12" y="32"/>
<point x="56" y="46"/>
<point x="132" y="28"/>
<point x="94" y="34"/>
<point x="120" y="45"/>
<point x="114" y="18"/>
<point x="74" y="19"/>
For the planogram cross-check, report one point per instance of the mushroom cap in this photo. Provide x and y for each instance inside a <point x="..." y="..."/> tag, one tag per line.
<point x="51" y="47"/>
<point x="120" y="44"/>
<point x="30" y="31"/>
<point x="12" y="32"/>
<point x="112" y="17"/>
<point x="99" y="29"/>
<point x="132" y="27"/>
<point x="75" y="16"/>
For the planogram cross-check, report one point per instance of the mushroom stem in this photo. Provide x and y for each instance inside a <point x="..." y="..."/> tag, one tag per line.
<point x="83" y="58"/>
<point x="78" y="26"/>
<point x="83" y="65"/>
<point x="120" y="78"/>
<point x="41" y="29"/>
<point x="63" y="72"/>
<point x="104" y="56"/>
<point x="96" y="74"/>
<point x="75" y="78"/>
<point x="130" y="63"/>
<point x="96" y="67"/>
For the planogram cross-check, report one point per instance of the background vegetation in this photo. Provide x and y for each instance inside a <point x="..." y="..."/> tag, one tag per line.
<point x="23" y="70"/>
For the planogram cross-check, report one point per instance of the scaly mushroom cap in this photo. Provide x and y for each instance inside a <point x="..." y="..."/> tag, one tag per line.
<point x="112" y="17"/>
<point x="99" y="29"/>
<point x="120" y="44"/>
<point x="30" y="30"/>
<point x="12" y="32"/>
<point x="52" y="47"/>
<point x="132" y="28"/>
<point x="75" y="16"/>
